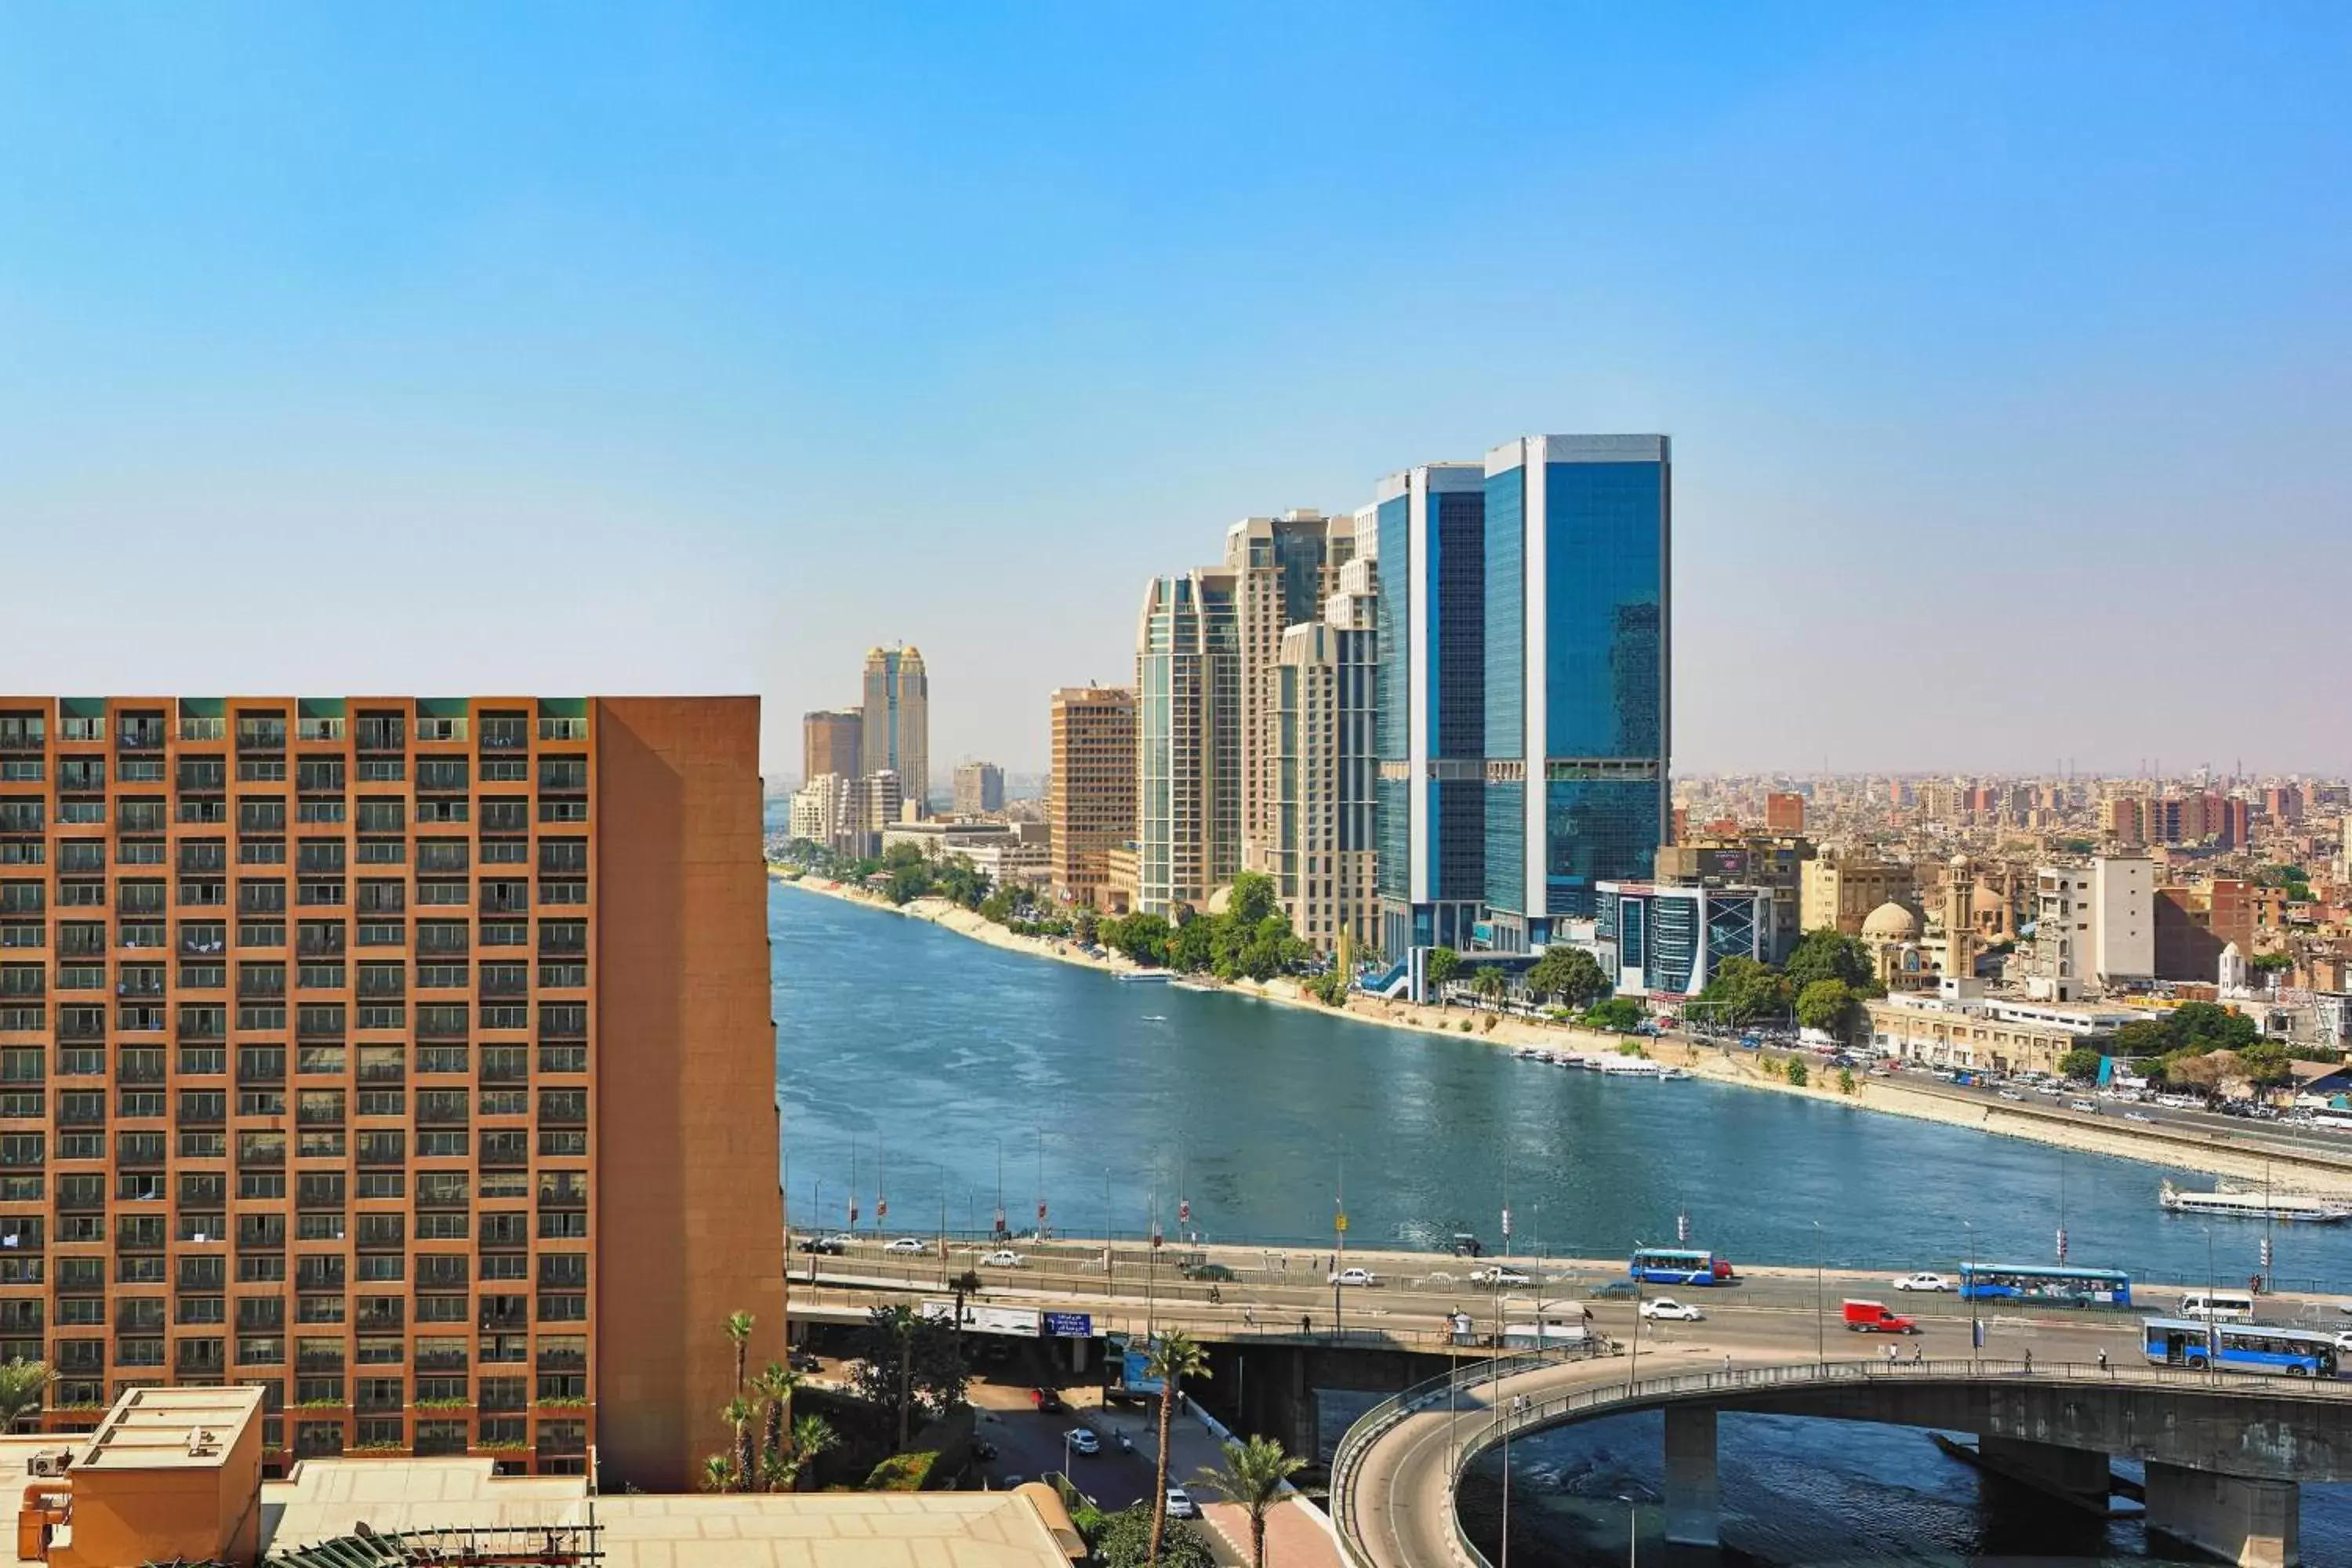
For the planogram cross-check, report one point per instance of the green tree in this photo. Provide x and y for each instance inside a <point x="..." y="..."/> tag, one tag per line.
<point x="1615" y="1014"/>
<point x="1489" y="986"/>
<point x="22" y="1385"/>
<point x="1440" y="968"/>
<point x="718" y="1473"/>
<point x="1173" y="1359"/>
<point x="1255" y="1475"/>
<point x="742" y="1414"/>
<point x="2266" y="1062"/>
<point x="1799" y="1073"/>
<point x="1143" y="1537"/>
<point x="1143" y="937"/>
<point x="1742" y="991"/>
<point x="774" y="1388"/>
<point x="2271" y="962"/>
<point x="1193" y="946"/>
<point x="961" y="883"/>
<point x="1086" y="926"/>
<point x="2080" y="1063"/>
<point x="2143" y="1038"/>
<point x="812" y="1436"/>
<point x="1845" y="1080"/>
<point x="1829" y="1005"/>
<point x="1252" y="899"/>
<point x="906" y="1362"/>
<point x="1571" y="974"/>
<point x="1826" y="955"/>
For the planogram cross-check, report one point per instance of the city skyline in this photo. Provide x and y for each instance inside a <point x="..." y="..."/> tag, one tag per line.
<point x="1955" y="316"/>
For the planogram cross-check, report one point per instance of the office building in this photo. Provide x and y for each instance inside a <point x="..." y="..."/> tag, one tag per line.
<point x="1284" y="568"/>
<point x="830" y="743"/>
<point x="1773" y="862"/>
<point x="1325" y="803"/>
<point x="878" y="800"/>
<point x="1090" y="803"/>
<point x="1840" y="887"/>
<point x="979" y="789"/>
<point x="1004" y="852"/>
<point x="813" y="813"/>
<point x="1784" y="812"/>
<point x="1578" y="610"/>
<point x="327" y="1025"/>
<point x="1188" y="740"/>
<point x="1957" y="1026"/>
<point x="894" y="734"/>
<point x="1660" y="941"/>
<point x="1427" y="529"/>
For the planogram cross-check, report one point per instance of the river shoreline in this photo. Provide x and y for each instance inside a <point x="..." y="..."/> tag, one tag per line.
<point x="1740" y="1068"/>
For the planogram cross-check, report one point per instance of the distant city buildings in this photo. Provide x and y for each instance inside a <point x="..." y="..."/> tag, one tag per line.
<point x="979" y="789"/>
<point x="894" y="731"/>
<point x="1091" y="801"/>
<point x="1659" y="940"/>
<point x="830" y="743"/>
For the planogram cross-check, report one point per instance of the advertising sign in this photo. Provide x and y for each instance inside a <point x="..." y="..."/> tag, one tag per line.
<point x="987" y="1320"/>
<point x="1070" y="1325"/>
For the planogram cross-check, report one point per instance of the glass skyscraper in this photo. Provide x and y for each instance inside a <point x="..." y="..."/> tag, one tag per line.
<point x="1430" y="537"/>
<point x="1188" y="740"/>
<point x="1576" y="723"/>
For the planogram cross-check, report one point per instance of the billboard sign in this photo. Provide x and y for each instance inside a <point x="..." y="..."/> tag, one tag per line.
<point x="1070" y="1325"/>
<point x="987" y="1320"/>
<point x="1136" y="1377"/>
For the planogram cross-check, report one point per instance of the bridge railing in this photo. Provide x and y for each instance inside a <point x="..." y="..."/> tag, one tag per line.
<point x="1547" y="1409"/>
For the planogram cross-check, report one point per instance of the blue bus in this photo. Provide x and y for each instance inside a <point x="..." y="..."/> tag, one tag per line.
<point x="2062" y="1286"/>
<point x="2242" y="1347"/>
<point x="1680" y="1265"/>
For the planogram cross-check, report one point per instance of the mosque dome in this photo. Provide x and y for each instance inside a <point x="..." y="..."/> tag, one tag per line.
<point x="1891" y="922"/>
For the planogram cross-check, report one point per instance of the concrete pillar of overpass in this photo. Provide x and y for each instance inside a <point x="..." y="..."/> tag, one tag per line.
<point x="2076" y="1475"/>
<point x="2254" y="1523"/>
<point x="1694" y="1501"/>
<point x="1078" y="1349"/>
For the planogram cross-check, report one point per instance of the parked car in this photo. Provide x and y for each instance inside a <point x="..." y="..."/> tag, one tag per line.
<point x="2087" y="1107"/>
<point x="1046" y="1399"/>
<point x="905" y="1244"/>
<point x="1181" y="1505"/>
<point x="1923" y="1282"/>
<point x="1003" y="1257"/>
<point x="1500" y="1275"/>
<point x="1082" y="1441"/>
<point x="1666" y="1310"/>
<point x="1353" y="1277"/>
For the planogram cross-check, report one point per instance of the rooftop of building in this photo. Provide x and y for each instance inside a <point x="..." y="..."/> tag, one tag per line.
<point x="170" y="1429"/>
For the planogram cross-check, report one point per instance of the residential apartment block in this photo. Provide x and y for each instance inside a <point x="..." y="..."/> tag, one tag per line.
<point x="979" y="789"/>
<point x="1284" y="568"/>
<point x="1188" y="740"/>
<point x="1326" y="804"/>
<point x="1090" y="806"/>
<point x="407" y="1058"/>
<point x="831" y="742"/>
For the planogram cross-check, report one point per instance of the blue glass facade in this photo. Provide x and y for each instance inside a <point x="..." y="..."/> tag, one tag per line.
<point x="1506" y="614"/>
<point x="1604" y="597"/>
<point x="1394" y="739"/>
<point x="1597" y="830"/>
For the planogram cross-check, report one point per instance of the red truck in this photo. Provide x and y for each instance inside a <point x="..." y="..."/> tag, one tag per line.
<point x="1871" y="1318"/>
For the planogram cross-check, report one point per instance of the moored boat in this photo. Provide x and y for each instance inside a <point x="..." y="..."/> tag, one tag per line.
<point x="2290" y="1207"/>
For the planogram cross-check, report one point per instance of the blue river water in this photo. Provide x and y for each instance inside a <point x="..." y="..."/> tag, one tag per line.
<point x="934" y="1062"/>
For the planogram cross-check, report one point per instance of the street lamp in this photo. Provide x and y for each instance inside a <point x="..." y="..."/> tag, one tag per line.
<point x="1969" y="1288"/>
<point x="1633" y="1529"/>
<point x="1820" y="1322"/>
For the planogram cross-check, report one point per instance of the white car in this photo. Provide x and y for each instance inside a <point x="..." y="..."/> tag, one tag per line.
<point x="1003" y="1257"/>
<point x="2137" y="1116"/>
<point x="1923" y="1282"/>
<point x="905" y="1244"/>
<point x="1353" y="1277"/>
<point x="1665" y="1308"/>
<point x="1181" y="1505"/>
<point x="2087" y="1107"/>
<point x="2011" y="1094"/>
<point x="1082" y="1441"/>
<point x="1500" y="1275"/>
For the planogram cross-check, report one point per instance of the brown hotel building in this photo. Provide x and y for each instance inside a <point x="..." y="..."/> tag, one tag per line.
<point x="409" y="1058"/>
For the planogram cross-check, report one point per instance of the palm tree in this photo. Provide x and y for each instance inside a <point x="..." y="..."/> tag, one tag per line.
<point x="740" y="1414"/>
<point x="738" y="1329"/>
<point x="718" y="1473"/>
<point x="967" y="1283"/>
<point x="1255" y="1475"/>
<point x="811" y="1436"/>
<point x="1489" y="986"/>
<point x="774" y="1388"/>
<point x="22" y="1384"/>
<point x="1175" y="1358"/>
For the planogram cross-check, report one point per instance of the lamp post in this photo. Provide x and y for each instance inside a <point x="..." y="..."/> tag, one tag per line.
<point x="1969" y="1288"/>
<point x="1632" y="1530"/>
<point x="1820" y="1322"/>
<point x="1107" y="1255"/>
<point x="816" y="1212"/>
<point x="1633" y="1361"/>
<point x="2213" y="1336"/>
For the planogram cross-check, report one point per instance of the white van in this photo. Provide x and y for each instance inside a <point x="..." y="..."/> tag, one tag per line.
<point x="2222" y="1306"/>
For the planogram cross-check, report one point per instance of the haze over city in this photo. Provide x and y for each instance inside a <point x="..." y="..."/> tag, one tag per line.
<point x="703" y="348"/>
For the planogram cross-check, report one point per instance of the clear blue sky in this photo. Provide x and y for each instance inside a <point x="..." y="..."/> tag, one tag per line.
<point x="572" y="347"/>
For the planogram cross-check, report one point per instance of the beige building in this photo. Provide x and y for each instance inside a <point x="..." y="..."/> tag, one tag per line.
<point x="1003" y="851"/>
<point x="1283" y="568"/>
<point x="829" y="743"/>
<point x="979" y="789"/>
<point x="895" y="733"/>
<point x="1957" y="1025"/>
<point x="1188" y="740"/>
<point x="1328" y="763"/>
<point x="1841" y="886"/>
<point x="1090" y="801"/>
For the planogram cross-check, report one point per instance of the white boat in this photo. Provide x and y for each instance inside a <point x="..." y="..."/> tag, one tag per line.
<point x="2254" y="1206"/>
<point x="1625" y="1067"/>
<point x="1144" y="975"/>
<point x="1673" y="1075"/>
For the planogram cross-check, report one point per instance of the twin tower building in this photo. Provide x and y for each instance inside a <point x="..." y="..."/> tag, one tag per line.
<point x="1440" y="722"/>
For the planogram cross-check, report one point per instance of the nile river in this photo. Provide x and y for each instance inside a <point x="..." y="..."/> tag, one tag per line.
<point x="923" y="1054"/>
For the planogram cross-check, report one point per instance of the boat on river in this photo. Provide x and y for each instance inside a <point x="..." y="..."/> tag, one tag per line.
<point x="2290" y="1206"/>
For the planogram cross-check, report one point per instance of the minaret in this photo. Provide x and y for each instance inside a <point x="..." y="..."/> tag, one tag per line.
<point x="1959" y="919"/>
